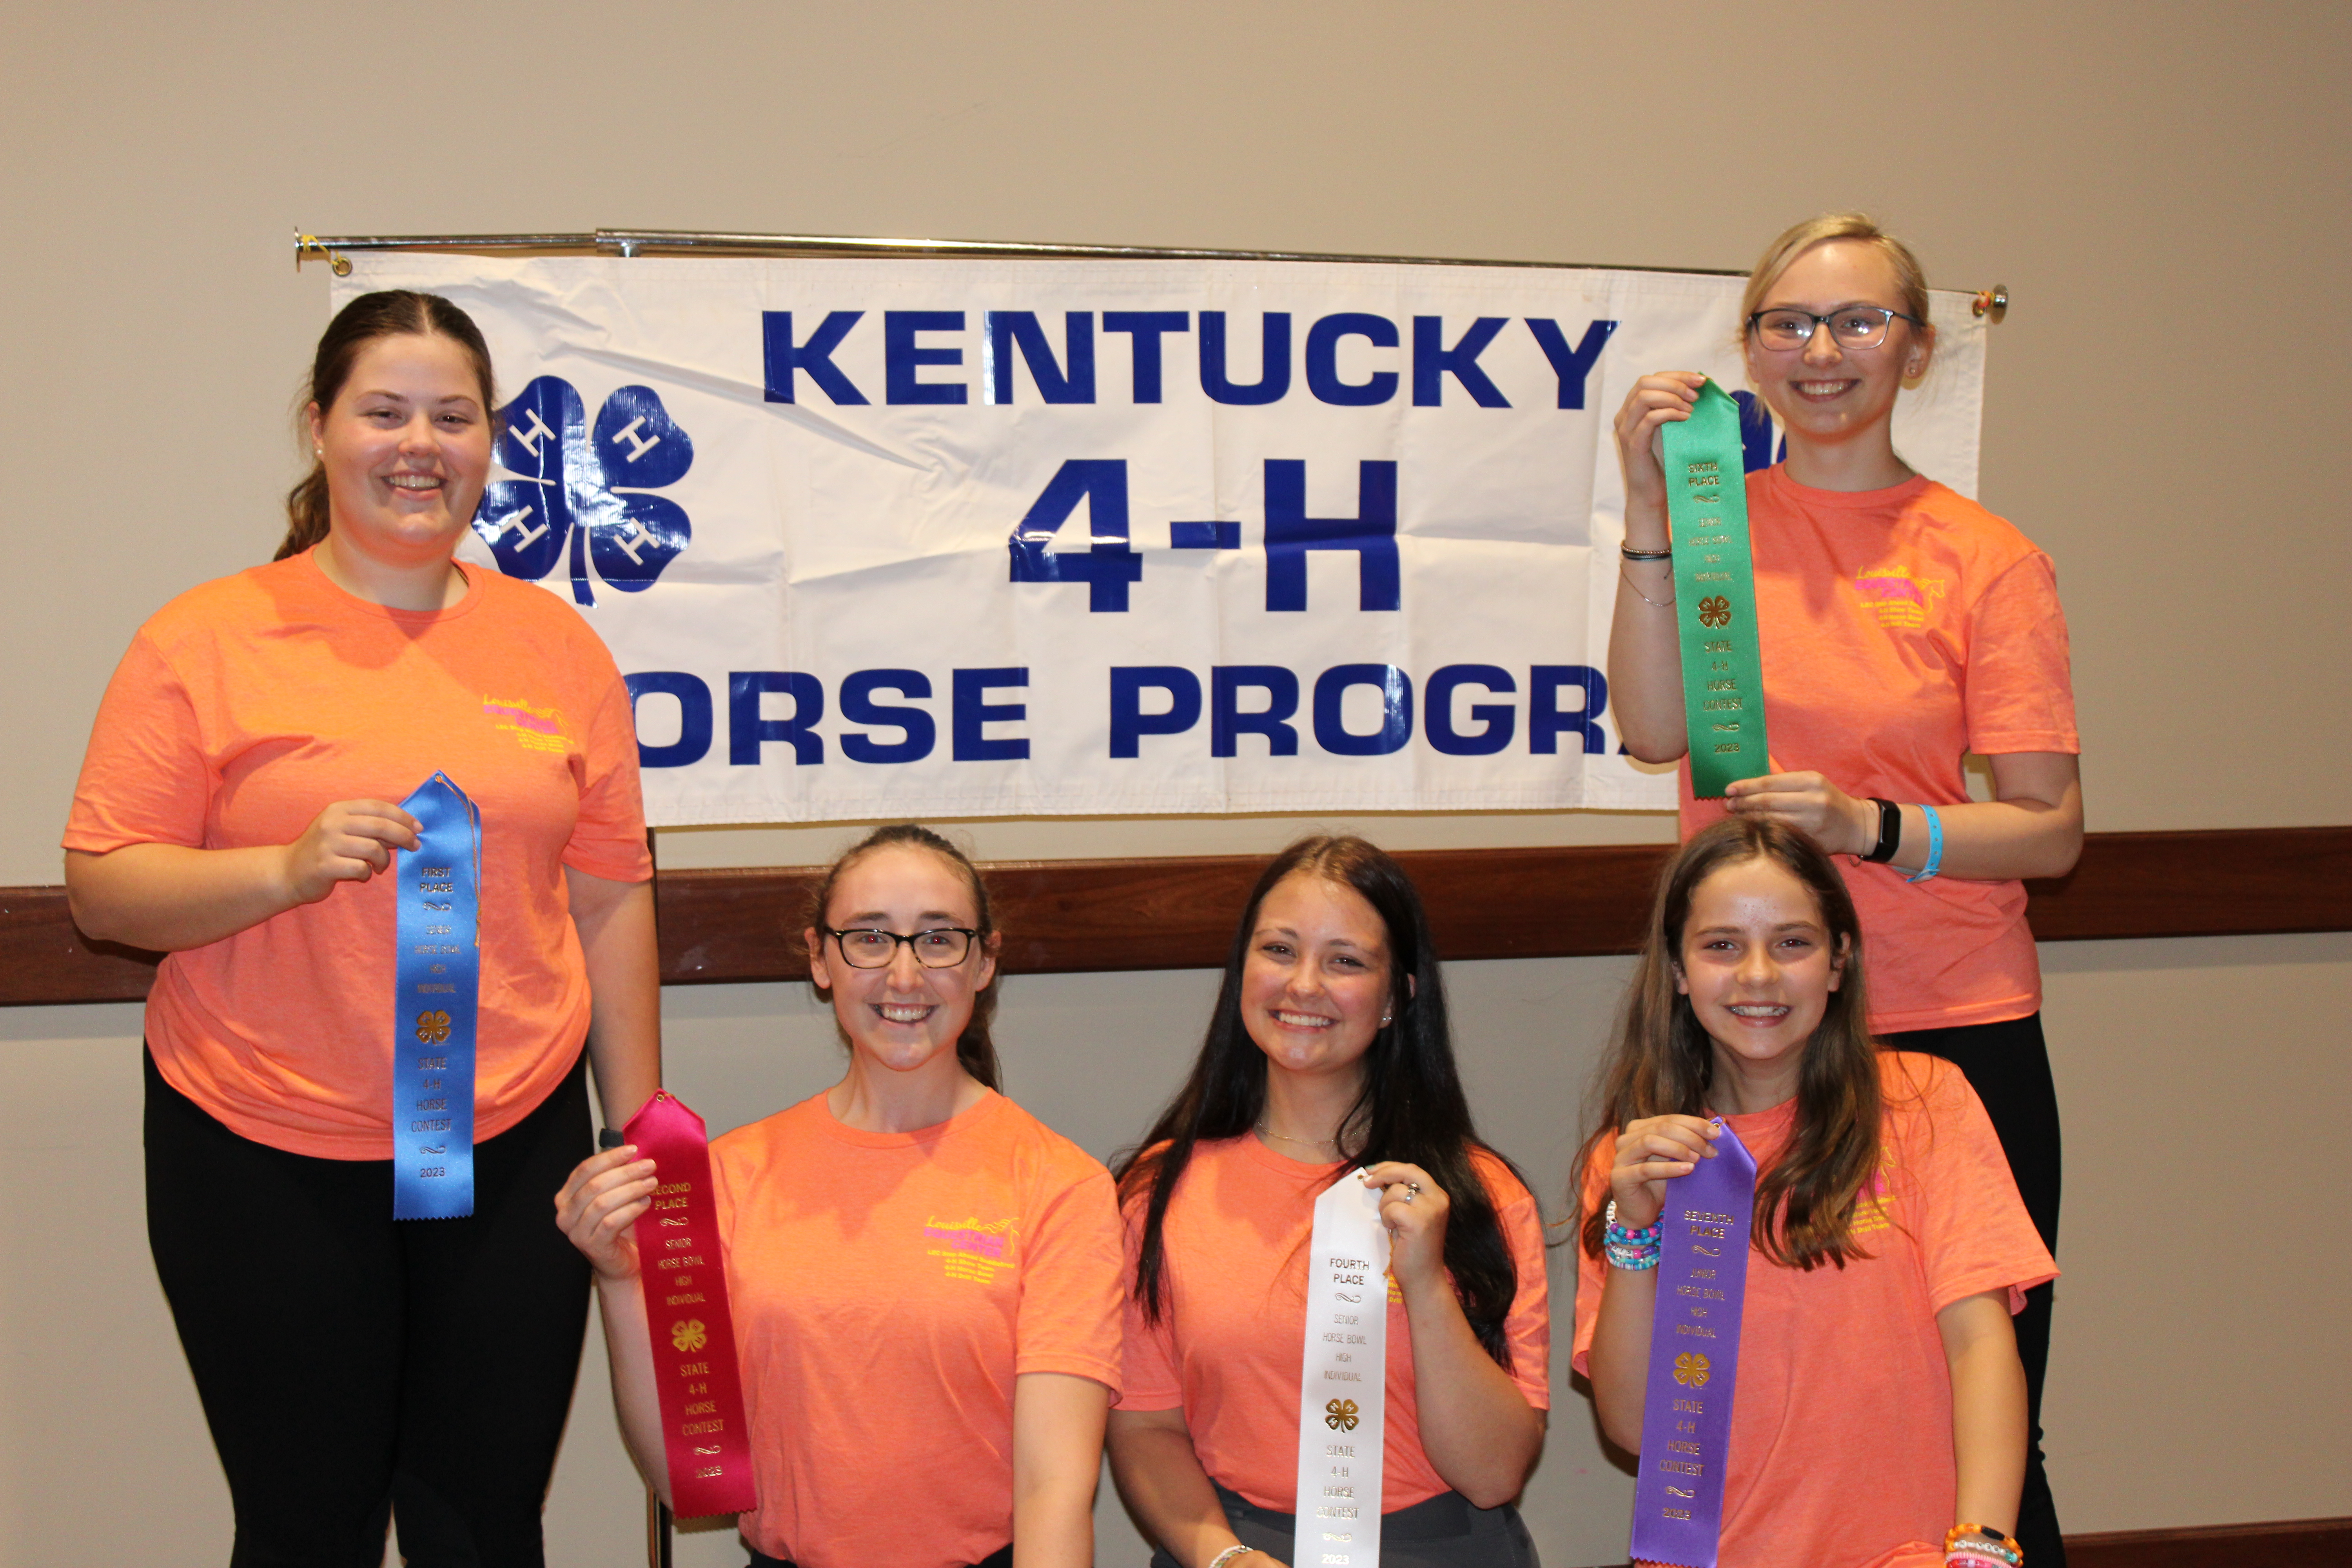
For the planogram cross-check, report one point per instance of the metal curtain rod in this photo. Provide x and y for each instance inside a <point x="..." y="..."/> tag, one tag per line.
<point x="1992" y="302"/>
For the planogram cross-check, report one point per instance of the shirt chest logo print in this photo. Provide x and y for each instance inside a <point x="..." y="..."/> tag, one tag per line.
<point x="536" y="729"/>
<point x="972" y="1249"/>
<point x="1873" y="1206"/>
<point x="1899" y="599"/>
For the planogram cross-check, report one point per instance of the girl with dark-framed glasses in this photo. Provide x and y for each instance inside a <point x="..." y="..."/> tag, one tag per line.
<point x="924" y="1277"/>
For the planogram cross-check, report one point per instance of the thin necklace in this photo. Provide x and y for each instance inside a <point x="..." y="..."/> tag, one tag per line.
<point x="1287" y="1138"/>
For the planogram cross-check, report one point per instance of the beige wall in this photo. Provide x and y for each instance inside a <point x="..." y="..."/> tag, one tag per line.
<point x="2161" y="186"/>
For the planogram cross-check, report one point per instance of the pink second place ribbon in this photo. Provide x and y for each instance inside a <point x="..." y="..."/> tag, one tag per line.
<point x="683" y="1275"/>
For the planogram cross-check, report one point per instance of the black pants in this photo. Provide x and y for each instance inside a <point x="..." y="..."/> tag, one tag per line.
<point x="1443" y="1531"/>
<point x="2007" y="1064"/>
<point x="352" y="1367"/>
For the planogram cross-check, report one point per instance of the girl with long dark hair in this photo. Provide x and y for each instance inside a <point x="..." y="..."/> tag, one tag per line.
<point x="924" y="1277"/>
<point x="1880" y="1412"/>
<point x="1328" y="1058"/>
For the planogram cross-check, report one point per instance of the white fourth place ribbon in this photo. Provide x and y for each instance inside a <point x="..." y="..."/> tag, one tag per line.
<point x="1342" y="1403"/>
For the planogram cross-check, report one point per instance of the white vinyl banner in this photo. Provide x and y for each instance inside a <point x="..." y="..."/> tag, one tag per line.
<point x="973" y="538"/>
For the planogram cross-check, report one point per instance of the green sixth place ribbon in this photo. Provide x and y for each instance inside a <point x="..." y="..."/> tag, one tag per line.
<point x="1715" y="594"/>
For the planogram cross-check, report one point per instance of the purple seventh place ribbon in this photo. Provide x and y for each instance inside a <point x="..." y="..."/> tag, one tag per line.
<point x="1695" y="1357"/>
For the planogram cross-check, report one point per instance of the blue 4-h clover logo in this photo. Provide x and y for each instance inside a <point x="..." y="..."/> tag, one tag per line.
<point x="587" y="489"/>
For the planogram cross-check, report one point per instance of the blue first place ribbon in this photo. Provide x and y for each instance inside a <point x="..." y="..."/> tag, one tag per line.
<point x="436" y="996"/>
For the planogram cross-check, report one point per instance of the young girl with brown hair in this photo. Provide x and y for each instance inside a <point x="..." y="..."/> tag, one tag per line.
<point x="1880" y="1408"/>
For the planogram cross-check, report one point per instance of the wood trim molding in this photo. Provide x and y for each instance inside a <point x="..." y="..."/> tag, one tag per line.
<point x="1072" y="916"/>
<point x="2279" y="1544"/>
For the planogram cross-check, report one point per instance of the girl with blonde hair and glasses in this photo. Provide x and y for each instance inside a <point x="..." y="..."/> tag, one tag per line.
<point x="1902" y="628"/>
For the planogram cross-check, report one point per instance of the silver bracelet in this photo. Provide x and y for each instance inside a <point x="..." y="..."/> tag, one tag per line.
<point x="1654" y="604"/>
<point x="1229" y="1553"/>
<point x="1630" y="554"/>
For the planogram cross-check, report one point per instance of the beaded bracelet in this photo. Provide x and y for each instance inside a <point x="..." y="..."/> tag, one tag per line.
<point x="1229" y="1553"/>
<point x="1980" y="1546"/>
<point x="1630" y="1259"/>
<point x="1633" y="1249"/>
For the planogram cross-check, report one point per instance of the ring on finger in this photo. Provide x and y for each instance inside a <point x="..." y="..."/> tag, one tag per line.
<point x="1412" y="1191"/>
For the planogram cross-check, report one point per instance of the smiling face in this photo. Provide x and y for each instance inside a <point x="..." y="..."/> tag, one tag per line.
<point x="1315" y="987"/>
<point x="1824" y="392"/>
<point x="1759" y="966"/>
<point x="406" y="448"/>
<point x="901" y="1016"/>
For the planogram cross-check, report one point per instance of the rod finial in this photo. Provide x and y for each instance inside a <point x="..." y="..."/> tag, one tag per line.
<point x="1992" y="303"/>
<point x="308" y="246"/>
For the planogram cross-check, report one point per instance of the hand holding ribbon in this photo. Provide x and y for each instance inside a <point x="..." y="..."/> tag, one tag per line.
<point x="598" y="1206"/>
<point x="1414" y="1210"/>
<point x="1650" y="1153"/>
<point x="1658" y="399"/>
<point x="1808" y="802"/>
<point x="350" y="841"/>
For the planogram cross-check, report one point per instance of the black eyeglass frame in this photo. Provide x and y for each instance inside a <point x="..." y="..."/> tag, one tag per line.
<point x="971" y="944"/>
<point x="1755" y="318"/>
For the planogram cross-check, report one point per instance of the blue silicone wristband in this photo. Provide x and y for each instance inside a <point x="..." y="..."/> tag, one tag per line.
<point x="1935" y="846"/>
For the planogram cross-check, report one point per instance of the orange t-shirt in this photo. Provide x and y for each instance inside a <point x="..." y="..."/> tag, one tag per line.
<point x="1842" y="1430"/>
<point x="1900" y="629"/>
<point x="245" y="707"/>
<point x="1230" y="1343"/>
<point x="887" y="1288"/>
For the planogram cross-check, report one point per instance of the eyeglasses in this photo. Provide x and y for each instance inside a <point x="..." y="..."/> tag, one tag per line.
<point x="941" y="947"/>
<point x="1852" y="326"/>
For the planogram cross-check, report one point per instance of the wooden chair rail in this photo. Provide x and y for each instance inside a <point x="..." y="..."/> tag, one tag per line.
<point x="1072" y="916"/>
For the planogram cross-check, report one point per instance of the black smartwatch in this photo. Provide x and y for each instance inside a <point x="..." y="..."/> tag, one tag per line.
<point x="1890" y="831"/>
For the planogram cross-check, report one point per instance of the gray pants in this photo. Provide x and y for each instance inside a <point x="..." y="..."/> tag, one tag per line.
<point x="1444" y="1532"/>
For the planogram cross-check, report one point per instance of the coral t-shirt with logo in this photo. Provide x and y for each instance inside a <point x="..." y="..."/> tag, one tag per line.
<point x="887" y="1288"/>
<point x="1842" y="1429"/>
<point x="1231" y="1343"/>
<point x="1900" y="630"/>
<point x="247" y="706"/>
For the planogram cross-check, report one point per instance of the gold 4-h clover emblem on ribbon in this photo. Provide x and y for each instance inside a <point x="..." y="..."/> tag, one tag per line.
<point x="1715" y="610"/>
<point x="688" y="1334"/>
<point x="1690" y="1370"/>
<point x="433" y="1028"/>
<point x="1340" y="1416"/>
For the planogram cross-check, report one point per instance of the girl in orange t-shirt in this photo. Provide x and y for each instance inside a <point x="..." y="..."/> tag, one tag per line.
<point x="1902" y="626"/>
<point x="1880" y="1412"/>
<point x="235" y="810"/>
<point x="924" y="1277"/>
<point x="1328" y="1049"/>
